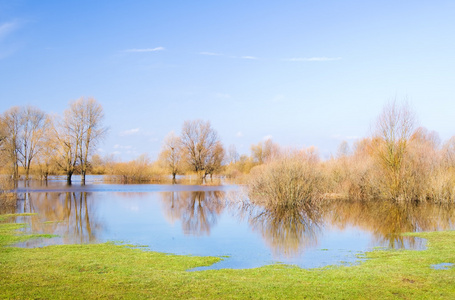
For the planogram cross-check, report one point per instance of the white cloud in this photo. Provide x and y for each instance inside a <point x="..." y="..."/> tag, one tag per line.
<point x="267" y="137"/>
<point x="249" y="57"/>
<point x="210" y="53"/>
<point x="145" y="50"/>
<point x="239" y="134"/>
<point x="313" y="59"/>
<point x="129" y="132"/>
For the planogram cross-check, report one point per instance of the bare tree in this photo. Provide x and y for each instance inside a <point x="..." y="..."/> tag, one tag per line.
<point x="199" y="141"/>
<point x="68" y="136"/>
<point x="91" y="115"/>
<point x="343" y="150"/>
<point x="78" y="134"/>
<point x="215" y="160"/>
<point x="171" y="154"/>
<point x="233" y="155"/>
<point x="49" y="147"/>
<point x="33" y="124"/>
<point x="394" y="129"/>
<point x="264" y="152"/>
<point x="12" y="122"/>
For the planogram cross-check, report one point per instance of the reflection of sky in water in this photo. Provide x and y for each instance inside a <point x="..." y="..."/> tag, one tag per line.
<point x="187" y="221"/>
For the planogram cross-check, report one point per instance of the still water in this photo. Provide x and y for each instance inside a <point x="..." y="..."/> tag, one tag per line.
<point x="219" y="221"/>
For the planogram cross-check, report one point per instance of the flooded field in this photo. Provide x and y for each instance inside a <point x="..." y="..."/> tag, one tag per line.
<point x="220" y="221"/>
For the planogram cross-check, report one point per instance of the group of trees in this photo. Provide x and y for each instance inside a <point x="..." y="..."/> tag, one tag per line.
<point x="30" y="137"/>
<point x="399" y="161"/>
<point x="198" y="149"/>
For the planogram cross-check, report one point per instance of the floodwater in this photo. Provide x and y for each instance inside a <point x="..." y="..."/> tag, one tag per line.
<point x="220" y="221"/>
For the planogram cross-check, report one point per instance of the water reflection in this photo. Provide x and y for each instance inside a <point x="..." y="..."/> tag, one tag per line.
<point x="387" y="220"/>
<point x="198" y="211"/>
<point x="287" y="231"/>
<point x="70" y="215"/>
<point x="223" y="221"/>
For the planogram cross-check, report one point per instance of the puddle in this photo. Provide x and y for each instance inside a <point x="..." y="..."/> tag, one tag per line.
<point x="442" y="266"/>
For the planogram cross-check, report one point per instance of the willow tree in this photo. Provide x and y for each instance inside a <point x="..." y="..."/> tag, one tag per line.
<point x="200" y="143"/>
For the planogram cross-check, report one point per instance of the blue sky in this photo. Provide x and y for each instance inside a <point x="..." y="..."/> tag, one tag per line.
<point x="303" y="72"/>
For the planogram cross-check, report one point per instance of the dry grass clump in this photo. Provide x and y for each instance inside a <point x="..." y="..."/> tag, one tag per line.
<point x="352" y="176"/>
<point x="292" y="180"/>
<point x="421" y="171"/>
<point x="135" y="171"/>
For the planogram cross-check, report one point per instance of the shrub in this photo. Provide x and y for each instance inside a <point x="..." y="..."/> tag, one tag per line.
<point x="290" y="181"/>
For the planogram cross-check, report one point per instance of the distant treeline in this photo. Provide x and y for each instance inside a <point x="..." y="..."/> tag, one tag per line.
<point x="399" y="161"/>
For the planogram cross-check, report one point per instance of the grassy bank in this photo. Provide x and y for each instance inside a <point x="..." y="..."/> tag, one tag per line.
<point x="112" y="271"/>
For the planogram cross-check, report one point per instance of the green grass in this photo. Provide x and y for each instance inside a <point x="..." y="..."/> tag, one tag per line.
<point x="118" y="271"/>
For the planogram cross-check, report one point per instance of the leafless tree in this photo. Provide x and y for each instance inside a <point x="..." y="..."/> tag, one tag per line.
<point x="264" y="151"/>
<point x="67" y="133"/>
<point x="78" y="133"/>
<point x="91" y="115"/>
<point x="33" y="124"/>
<point x="12" y="123"/>
<point x="394" y="128"/>
<point x="233" y="155"/>
<point x="199" y="141"/>
<point x="171" y="154"/>
<point x="47" y="155"/>
<point x="215" y="160"/>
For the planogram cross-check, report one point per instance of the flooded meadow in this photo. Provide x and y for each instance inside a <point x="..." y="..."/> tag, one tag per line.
<point x="221" y="221"/>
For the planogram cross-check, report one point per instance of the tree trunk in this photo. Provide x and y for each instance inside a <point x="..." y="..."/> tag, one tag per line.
<point x="68" y="178"/>
<point x="83" y="177"/>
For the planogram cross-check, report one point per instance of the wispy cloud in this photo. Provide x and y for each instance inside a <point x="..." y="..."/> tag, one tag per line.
<point x="239" y="134"/>
<point x="249" y="57"/>
<point x="7" y="28"/>
<point x="210" y="53"/>
<point x="145" y="50"/>
<point x="313" y="59"/>
<point x="129" y="132"/>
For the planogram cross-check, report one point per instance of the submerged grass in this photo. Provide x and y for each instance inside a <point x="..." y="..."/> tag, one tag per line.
<point x="114" y="271"/>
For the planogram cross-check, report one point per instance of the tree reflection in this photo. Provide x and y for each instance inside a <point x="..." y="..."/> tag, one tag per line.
<point x="387" y="220"/>
<point x="198" y="211"/>
<point x="69" y="215"/>
<point x="287" y="231"/>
